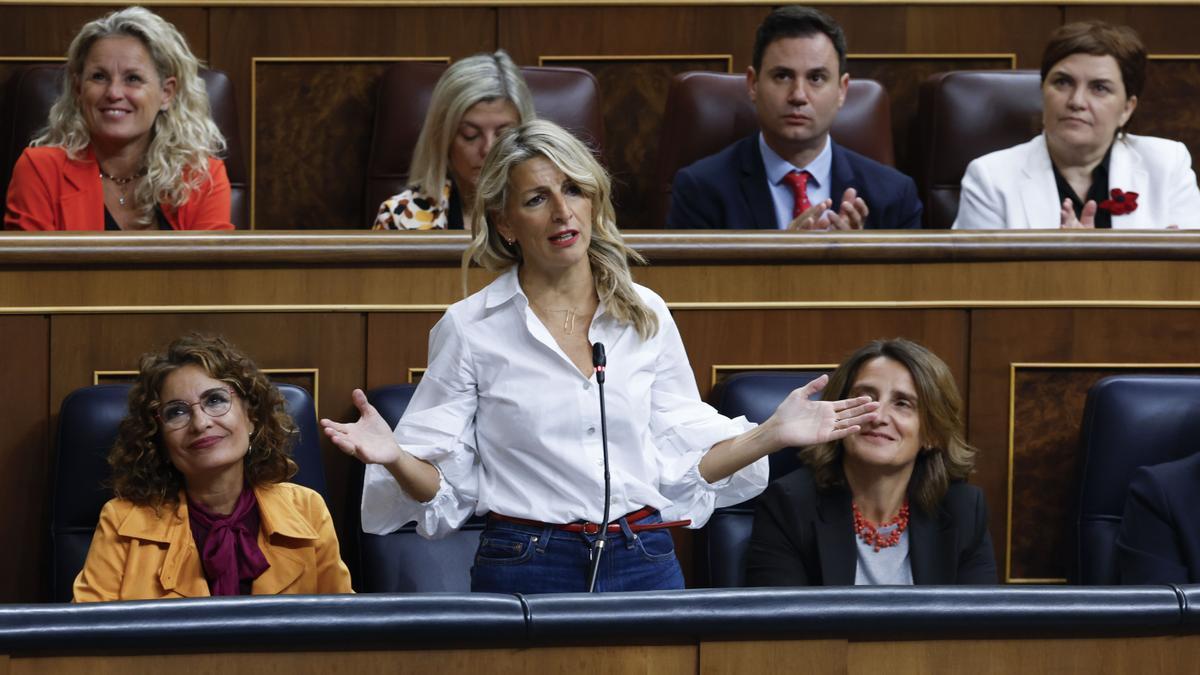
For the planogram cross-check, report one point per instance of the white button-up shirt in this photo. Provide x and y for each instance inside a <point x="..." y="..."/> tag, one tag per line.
<point x="514" y="427"/>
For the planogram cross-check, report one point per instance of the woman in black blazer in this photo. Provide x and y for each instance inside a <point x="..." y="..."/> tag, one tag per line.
<point x="889" y="504"/>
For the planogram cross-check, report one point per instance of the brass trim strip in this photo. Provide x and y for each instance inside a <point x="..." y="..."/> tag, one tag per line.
<point x="1012" y="406"/>
<point x="1011" y="56"/>
<point x="255" y="60"/>
<point x="413" y="373"/>
<point x="564" y="58"/>
<point x="743" y="367"/>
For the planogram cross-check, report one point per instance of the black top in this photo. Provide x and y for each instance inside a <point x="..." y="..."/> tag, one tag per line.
<point x="160" y="219"/>
<point x="1098" y="193"/>
<point x="454" y="214"/>
<point x="805" y="537"/>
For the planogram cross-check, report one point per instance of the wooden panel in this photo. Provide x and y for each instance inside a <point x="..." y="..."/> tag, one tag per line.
<point x="1167" y="107"/>
<point x="25" y="462"/>
<point x="1000" y="338"/>
<point x="667" y="660"/>
<point x="333" y="344"/>
<point x="397" y="343"/>
<point x="293" y="188"/>
<point x="1030" y="657"/>
<point x="48" y="31"/>
<point x="241" y="33"/>
<point x="816" y="657"/>
<point x="1047" y="412"/>
<point x="633" y="93"/>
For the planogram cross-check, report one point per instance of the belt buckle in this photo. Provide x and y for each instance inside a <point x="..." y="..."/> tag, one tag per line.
<point x="591" y="528"/>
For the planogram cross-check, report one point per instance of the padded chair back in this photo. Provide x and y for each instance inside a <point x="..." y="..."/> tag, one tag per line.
<point x="1129" y="421"/>
<point x="966" y="114"/>
<point x="708" y="111"/>
<point x="404" y="561"/>
<point x="727" y="534"/>
<point x="32" y="90"/>
<point x="570" y="97"/>
<point x="87" y="428"/>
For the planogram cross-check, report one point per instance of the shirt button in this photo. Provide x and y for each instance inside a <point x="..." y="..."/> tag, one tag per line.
<point x="587" y="386"/>
<point x="591" y="430"/>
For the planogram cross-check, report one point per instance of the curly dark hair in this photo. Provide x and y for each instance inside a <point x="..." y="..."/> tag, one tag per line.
<point x="142" y="471"/>
<point x="946" y="455"/>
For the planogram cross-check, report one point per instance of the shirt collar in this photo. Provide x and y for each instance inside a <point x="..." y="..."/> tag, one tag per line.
<point x="504" y="288"/>
<point x="778" y="167"/>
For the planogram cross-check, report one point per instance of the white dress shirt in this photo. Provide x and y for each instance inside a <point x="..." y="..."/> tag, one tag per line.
<point x="1014" y="188"/>
<point x="514" y="427"/>
<point x="783" y="197"/>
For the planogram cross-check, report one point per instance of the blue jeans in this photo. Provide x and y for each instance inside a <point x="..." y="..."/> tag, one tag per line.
<point x="517" y="558"/>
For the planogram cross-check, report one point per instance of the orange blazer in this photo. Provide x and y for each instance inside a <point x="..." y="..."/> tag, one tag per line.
<point x="51" y="191"/>
<point x="137" y="554"/>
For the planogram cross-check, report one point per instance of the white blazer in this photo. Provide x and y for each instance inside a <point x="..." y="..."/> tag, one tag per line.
<point x="1014" y="188"/>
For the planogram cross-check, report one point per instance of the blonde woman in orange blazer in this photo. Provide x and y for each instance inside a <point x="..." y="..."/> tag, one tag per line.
<point x="201" y="507"/>
<point x="130" y="143"/>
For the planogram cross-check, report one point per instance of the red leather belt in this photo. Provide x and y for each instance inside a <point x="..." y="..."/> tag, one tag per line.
<point x="594" y="528"/>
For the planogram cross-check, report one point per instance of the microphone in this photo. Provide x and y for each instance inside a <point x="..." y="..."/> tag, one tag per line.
<point x="598" y="362"/>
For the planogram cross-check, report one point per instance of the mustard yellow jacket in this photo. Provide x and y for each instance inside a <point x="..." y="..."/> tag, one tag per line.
<point x="137" y="554"/>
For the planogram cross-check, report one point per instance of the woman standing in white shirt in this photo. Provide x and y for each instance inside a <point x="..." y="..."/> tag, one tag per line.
<point x="506" y="420"/>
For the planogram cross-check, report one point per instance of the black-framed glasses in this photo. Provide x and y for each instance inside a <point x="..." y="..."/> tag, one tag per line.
<point x="178" y="414"/>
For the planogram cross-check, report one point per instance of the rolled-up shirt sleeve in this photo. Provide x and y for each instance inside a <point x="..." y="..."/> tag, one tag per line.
<point x="684" y="428"/>
<point x="438" y="427"/>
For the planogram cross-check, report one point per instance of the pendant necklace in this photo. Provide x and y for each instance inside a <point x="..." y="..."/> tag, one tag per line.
<point x="122" y="183"/>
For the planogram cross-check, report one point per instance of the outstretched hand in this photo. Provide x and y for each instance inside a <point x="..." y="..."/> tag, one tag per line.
<point x="369" y="439"/>
<point x="799" y="421"/>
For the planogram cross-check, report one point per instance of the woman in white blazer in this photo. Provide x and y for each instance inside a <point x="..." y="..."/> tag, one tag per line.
<point x="1084" y="170"/>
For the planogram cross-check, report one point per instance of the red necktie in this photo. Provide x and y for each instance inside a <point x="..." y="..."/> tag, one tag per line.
<point x="799" y="182"/>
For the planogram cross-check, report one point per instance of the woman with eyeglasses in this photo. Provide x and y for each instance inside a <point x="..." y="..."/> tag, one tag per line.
<point x="201" y="505"/>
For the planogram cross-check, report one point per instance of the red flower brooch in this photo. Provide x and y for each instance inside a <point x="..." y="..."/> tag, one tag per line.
<point x="1121" y="203"/>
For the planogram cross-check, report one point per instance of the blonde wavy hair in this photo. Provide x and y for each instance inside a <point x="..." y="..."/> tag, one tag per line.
<point x="184" y="135"/>
<point x="475" y="79"/>
<point x="945" y="454"/>
<point x="608" y="254"/>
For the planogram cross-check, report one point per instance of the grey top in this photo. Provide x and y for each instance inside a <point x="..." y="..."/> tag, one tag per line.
<point x="889" y="566"/>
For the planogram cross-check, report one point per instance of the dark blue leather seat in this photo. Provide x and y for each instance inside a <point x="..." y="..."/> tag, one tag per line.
<point x="727" y="534"/>
<point x="87" y="427"/>
<point x="404" y="561"/>
<point x="1129" y="421"/>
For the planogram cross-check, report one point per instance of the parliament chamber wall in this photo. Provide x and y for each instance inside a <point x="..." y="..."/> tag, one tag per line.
<point x="306" y="72"/>
<point x="1026" y="323"/>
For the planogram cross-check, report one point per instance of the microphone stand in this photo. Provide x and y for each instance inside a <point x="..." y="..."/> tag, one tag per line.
<point x="598" y="362"/>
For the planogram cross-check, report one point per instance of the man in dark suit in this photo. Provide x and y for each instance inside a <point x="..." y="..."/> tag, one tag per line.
<point x="1159" y="542"/>
<point x="791" y="175"/>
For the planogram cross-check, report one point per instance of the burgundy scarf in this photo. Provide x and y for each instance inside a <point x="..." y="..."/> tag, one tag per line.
<point x="229" y="545"/>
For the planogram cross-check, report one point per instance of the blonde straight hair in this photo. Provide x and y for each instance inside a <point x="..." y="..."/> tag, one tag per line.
<point x="475" y="79"/>
<point x="184" y="136"/>
<point x="608" y="254"/>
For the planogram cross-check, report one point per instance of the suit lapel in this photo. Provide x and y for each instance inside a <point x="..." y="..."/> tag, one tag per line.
<point x="1038" y="191"/>
<point x="754" y="186"/>
<point x="931" y="548"/>
<point x="842" y="177"/>
<point x="82" y="200"/>
<point x="1127" y="172"/>
<point x="835" y="538"/>
<point x="281" y="521"/>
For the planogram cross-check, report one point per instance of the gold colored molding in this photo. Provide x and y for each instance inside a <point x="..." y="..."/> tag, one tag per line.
<point x="733" y="368"/>
<point x="314" y="372"/>
<point x="1012" y="406"/>
<point x="33" y="59"/>
<point x="928" y="56"/>
<point x="415" y="375"/>
<point x="301" y="59"/>
<point x="564" y="58"/>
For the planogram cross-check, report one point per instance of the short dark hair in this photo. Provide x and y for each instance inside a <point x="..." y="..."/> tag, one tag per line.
<point x="794" y="21"/>
<point x="1098" y="38"/>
